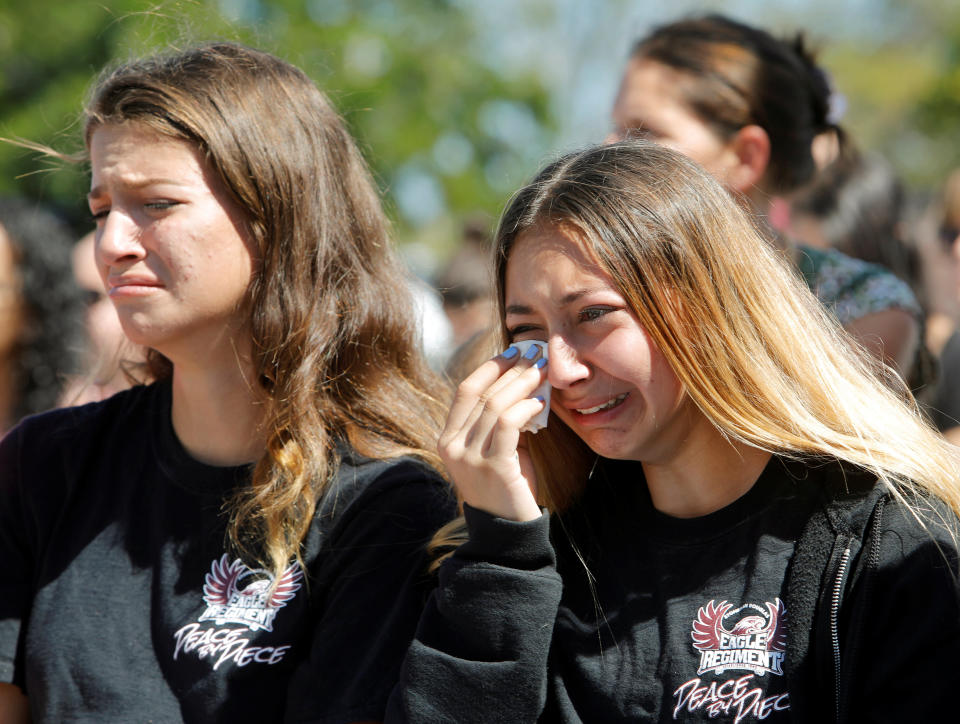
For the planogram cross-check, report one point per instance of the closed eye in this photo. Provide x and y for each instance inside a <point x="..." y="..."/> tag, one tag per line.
<point x="514" y="332"/>
<point x="160" y="205"/>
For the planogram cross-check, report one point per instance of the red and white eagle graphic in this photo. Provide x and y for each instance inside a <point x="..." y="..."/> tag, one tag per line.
<point x="237" y="594"/>
<point x="755" y="642"/>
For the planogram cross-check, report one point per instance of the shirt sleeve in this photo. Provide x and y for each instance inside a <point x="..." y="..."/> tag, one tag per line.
<point x="482" y="646"/>
<point x="368" y="593"/>
<point x="909" y="634"/>
<point x="16" y="560"/>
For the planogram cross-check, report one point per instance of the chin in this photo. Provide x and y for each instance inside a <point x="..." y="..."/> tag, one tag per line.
<point x="611" y="445"/>
<point x="145" y="335"/>
<point x="139" y="335"/>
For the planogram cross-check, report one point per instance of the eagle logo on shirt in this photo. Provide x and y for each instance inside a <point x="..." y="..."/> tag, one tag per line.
<point x="748" y="638"/>
<point x="237" y="594"/>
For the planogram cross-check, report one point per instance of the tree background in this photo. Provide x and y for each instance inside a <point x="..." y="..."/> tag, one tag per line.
<point x="456" y="102"/>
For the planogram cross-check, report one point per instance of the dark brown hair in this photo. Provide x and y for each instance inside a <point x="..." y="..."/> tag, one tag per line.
<point x="739" y="75"/>
<point x="335" y="346"/>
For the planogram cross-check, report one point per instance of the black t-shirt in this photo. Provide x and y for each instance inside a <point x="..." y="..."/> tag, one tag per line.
<point x="120" y="602"/>
<point x="623" y="615"/>
<point x="680" y="618"/>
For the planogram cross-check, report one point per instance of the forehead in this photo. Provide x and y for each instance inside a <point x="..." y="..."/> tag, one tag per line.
<point x="648" y="85"/>
<point x="135" y="131"/>
<point x="551" y="239"/>
<point x="550" y="254"/>
<point x="134" y="153"/>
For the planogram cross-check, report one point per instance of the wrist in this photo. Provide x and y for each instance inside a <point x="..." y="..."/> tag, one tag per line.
<point x="517" y="508"/>
<point x="523" y="545"/>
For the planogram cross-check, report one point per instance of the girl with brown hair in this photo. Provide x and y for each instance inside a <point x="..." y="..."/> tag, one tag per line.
<point x="731" y="513"/>
<point x="242" y="539"/>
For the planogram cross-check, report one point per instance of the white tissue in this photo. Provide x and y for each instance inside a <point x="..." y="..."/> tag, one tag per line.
<point x="540" y="421"/>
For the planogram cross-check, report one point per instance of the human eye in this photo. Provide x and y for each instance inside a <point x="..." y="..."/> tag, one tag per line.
<point x="591" y="314"/>
<point x="160" y="204"/>
<point x="515" y="333"/>
<point x="99" y="213"/>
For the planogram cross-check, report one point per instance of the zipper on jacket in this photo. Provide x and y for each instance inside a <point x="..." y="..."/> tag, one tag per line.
<point x="873" y="561"/>
<point x="835" y="598"/>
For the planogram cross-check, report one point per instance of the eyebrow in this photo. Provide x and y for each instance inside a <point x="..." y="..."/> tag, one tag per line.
<point x="98" y="191"/>
<point x="522" y="309"/>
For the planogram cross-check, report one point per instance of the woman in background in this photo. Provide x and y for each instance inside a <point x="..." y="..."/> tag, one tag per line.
<point x="856" y="205"/>
<point x="110" y="360"/>
<point x="755" y="112"/>
<point x="41" y="327"/>
<point x="243" y="538"/>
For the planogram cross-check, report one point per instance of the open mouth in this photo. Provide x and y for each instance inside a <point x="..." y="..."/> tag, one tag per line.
<point x="609" y="405"/>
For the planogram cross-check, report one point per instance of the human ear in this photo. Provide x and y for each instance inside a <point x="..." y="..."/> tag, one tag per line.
<point x="751" y="150"/>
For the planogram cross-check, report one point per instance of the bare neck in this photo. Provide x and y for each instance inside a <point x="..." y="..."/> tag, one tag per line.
<point x="217" y="414"/>
<point x="710" y="474"/>
<point x="759" y="203"/>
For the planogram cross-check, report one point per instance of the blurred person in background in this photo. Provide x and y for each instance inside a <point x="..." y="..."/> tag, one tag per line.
<point x="41" y="325"/>
<point x="945" y="405"/>
<point x="109" y="357"/>
<point x="946" y="401"/>
<point x="934" y="234"/>
<point x="855" y="204"/>
<point x="752" y="109"/>
<point x="465" y="285"/>
<point x="466" y="357"/>
<point x="434" y="331"/>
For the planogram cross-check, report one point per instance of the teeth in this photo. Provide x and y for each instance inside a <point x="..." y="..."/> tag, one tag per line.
<point x="605" y="406"/>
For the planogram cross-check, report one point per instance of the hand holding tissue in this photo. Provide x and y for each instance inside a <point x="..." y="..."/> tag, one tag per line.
<point x="540" y="421"/>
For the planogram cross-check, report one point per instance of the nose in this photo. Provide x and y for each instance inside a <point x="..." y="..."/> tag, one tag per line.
<point x="117" y="241"/>
<point x="566" y="366"/>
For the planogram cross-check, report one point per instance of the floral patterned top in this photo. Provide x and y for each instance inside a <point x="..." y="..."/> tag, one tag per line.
<point x="852" y="288"/>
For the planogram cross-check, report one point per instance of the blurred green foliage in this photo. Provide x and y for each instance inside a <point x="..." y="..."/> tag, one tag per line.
<point x="937" y="111"/>
<point x="446" y="134"/>
<point x="448" y="126"/>
<point x="903" y="89"/>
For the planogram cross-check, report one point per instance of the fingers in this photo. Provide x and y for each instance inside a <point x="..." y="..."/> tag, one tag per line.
<point x="471" y="388"/>
<point x="513" y="387"/>
<point x="477" y="392"/>
<point x="504" y="435"/>
<point x="479" y="444"/>
<point x="531" y="358"/>
<point x="486" y="401"/>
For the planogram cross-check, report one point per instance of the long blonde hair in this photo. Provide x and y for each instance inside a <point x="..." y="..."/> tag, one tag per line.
<point x="753" y="348"/>
<point x="335" y="345"/>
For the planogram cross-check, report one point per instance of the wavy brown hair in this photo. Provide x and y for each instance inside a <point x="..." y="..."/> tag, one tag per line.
<point x="752" y="346"/>
<point x="336" y="350"/>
